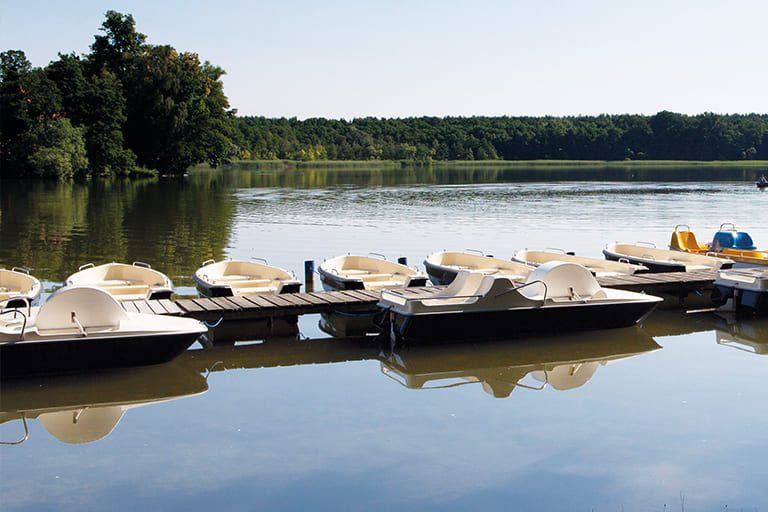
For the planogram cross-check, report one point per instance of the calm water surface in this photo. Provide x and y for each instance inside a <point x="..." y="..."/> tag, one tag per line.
<point x="667" y="416"/>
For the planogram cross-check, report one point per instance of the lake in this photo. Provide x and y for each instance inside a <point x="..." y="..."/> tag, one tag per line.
<point x="668" y="415"/>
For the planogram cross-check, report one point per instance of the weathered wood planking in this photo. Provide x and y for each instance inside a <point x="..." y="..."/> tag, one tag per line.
<point x="677" y="284"/>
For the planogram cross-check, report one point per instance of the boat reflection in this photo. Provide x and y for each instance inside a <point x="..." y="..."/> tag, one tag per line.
<point x="564" y="362"/>
<point x="83" y="408"/>
<point x="747" y="335"/>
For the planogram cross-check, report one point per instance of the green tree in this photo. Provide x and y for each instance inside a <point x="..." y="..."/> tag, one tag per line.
<point x="59" y="149"/>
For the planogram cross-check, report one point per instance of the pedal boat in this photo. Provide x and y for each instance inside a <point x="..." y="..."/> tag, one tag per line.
<point x="351" y="272"/>
<point x="664" y="260"/>
<point x="555" y="297"/>
<point x="125" y="282"/>
<point x="443" y="266"/>
<point x="728" y="243"/>
<point x="598" y="267"/>
<point x="83" y="328"/>
<point x="743" y="290"/>
<point x="18" y="287"/>
<point x="243" y="278"/>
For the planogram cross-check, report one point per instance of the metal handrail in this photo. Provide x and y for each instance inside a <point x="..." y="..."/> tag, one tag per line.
<point x="555" y="249"/>
<point x="81" y="267"/>
<point x="649" y="244"/>
<point x="258" y="259"/>
<point x="141" y="264"/>
<point x="688" y="228"/>
<point x="377" y="254"/>
<point x="16" y="311"/>
<point x="206" y="262"/>
<point x="20" y="269"/>
<point x="481" y="253"/>
<point x="539" y="281"/>
<point x="724" y="224"/>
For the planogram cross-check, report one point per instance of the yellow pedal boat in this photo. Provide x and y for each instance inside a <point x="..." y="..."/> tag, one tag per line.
<point x="728" y="242"/>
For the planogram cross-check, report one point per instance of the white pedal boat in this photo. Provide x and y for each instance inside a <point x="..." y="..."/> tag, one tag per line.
<point x="556" y="297"/>
<point x="443" y="266"/>
<point x="16" y="286"/>
<point x="242" y="278"/>
<point x="125" y="282"/>
<point x="598" y="267"/>
<point x="83" y="327"/>
<point x="663" y="260"/>
<point x="352" y="272"/>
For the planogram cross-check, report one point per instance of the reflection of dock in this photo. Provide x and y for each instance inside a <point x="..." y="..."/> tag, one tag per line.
<point x="678" y="288"/>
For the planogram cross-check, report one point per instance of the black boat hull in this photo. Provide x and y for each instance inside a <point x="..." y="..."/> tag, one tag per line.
<point x="81" y="354"/>
<point x="466" y="326"/>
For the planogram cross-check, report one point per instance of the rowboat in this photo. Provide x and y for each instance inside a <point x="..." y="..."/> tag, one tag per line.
<point x="663" y="260"/>
<point x="555" y="297"/>
<point x="372" y="272"/>
<point x="243" y="278"/>
<point x="126" y="282"/>
<point x="84" y="328"/>
<point x="443" y="266"/>
<point x="18" y="286"/>
<point x="598" y="267"/>
<point x="728" y="242"/>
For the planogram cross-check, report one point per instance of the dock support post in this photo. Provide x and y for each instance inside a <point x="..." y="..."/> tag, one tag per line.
<point x="309" y="275"/>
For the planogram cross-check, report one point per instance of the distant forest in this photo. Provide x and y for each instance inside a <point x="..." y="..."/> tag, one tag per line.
<point x="664" y="136"/>
<point x="129" y="107"/>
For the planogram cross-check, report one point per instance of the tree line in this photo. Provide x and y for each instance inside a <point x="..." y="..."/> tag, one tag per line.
<point x="663" y="136"/>
<point x="130" y="107"/>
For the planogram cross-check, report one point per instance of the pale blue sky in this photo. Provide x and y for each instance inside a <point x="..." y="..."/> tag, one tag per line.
<point x="348" y="59"/>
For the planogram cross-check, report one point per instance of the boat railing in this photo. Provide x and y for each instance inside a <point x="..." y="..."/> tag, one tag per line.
<point x="141" y="264"/>
<point x="555" y="249"/>
<point x="516" y="288"/>
<point x="20" y="269"/>
<point x="255" y="259"/>
<point x="17" y="311"/>
<point x="82" y="267"/>
<point x="727" y="226"/>
<point x="686" y="226"/>
<point x="647" y="244"/>
<point x="476" y="251"/>
<point x="378" y="254"/>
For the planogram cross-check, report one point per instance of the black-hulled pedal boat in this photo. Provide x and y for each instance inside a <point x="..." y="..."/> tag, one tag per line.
<point x="556" y="297"/>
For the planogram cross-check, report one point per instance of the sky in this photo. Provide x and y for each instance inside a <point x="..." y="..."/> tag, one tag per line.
<point x="342" y="59"/>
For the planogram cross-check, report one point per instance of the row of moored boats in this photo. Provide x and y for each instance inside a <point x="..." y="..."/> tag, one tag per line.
<point x="479" y="296"/>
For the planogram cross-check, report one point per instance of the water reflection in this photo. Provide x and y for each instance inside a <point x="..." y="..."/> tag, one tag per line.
<point x="53" y="227"/>
<point x="743" y="334"/>
<point x="83" y="408"/>
<point x="562" y="362"/>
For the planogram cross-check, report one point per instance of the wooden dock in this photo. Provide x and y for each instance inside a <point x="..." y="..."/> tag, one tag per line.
<point x="680" y="289"/>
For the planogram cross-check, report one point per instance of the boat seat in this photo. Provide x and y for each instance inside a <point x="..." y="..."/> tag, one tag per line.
<point x="94" y="307"/>
<point x="383" y="284"/>
<point x="562" y="281"/>
<point x="254" y="290"/>
<point x="244" y="283"/>
<point x="127" y="290"/>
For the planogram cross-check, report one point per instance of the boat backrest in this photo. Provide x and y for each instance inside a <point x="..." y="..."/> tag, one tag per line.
<point x="466" y="283"/>
<point x="733" y="240"/>
<point x="684" y="240"/>
<point x="93" y="307"/>
<point x="562" y="280"/>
